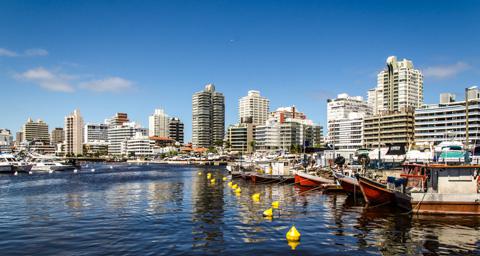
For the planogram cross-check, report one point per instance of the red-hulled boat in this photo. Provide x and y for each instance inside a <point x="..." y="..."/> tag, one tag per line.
<point x="308" y="180"/>
<point x="349" y="184"/>
<point x="375" y="193"/>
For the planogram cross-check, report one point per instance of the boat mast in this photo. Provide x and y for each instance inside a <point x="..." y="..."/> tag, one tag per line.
<point x="466" y="119"/>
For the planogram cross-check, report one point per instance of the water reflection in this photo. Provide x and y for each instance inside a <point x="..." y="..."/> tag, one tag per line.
<point x="133" y="209"/>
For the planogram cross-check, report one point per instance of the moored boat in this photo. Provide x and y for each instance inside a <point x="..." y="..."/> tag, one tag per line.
<point x="349" y="184"/>
<point x="447" y="189"/>
<point x="309" y="180"/>
<point x="260" y="178"/>
<point x="375" y="193"/>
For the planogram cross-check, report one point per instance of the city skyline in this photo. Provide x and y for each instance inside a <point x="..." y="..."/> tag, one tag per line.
<point x="70" y="64"/>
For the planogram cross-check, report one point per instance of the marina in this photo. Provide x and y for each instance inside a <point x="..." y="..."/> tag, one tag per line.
<point x="164" y="209"/>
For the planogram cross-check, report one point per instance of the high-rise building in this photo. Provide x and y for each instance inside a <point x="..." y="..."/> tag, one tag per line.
<point x="435" y="123"/>
<point x="345" y="121"/>
<point x="400" y="85"/>
<point x="158" y="124"/>
<point x="120" y="133"/>
<point x="95" y="132"/>
<point x="18" y="138"/>
<point x="57" y="136"/>
<point x="74" y="133"/>
<point x="208" y="117"/>
<point x="175" y="130"/>
<point x="118" y="119"/>
<point x="375" y="100"/>
<point x="35" y="131"/>
<point x="253" y="108"/>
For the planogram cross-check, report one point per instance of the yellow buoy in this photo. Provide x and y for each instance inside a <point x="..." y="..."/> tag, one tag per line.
<point x="230" y="183"/>
<point x="235" y="186"/>
<point x="293" y="244"/>
<point x="268" y="212"/>
<point x="293" y="235"/>
<point x="212" y="180"/>
<point x="224" y="178"/>
<point x="238" y="190"/>
<point x="275" y="204"/>
<point x="256" y="197"/>
<point x="209" y="175"/>
<point x="199" y="173"/>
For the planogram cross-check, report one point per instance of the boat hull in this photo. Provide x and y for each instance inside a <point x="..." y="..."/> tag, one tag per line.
<point x="256" y="178"/>
<point x="349" y="184"/>
<point x="307" y="180"/>
<point x="459" y="208"/>
<point x="375" y="193"/>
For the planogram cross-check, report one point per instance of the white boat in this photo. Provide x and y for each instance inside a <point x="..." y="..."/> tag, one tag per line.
<point x="17" y="165"/>
<point x="48" y="164"/>
<point x="5" y="167"/>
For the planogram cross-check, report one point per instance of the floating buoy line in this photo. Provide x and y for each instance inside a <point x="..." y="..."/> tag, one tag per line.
<point x="293" y="235"/>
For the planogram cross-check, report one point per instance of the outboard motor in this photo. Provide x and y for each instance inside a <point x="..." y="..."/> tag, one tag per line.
<point x="339" y="161"/>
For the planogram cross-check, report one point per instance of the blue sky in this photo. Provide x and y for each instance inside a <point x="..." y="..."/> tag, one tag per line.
<point x="133" y="56"/>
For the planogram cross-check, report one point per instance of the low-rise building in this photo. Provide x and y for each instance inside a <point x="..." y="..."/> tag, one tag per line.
<point x="240" y="137"/>
<point x="435" y="123"/>
<point x="121" y="133"/>
<point x="389" y="128"/>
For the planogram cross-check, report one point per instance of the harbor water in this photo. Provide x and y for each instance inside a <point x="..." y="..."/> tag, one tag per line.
<point x="175" y="210"/>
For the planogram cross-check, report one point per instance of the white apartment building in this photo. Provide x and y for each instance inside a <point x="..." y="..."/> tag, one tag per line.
<point x="253" y="108"/>
<point x="208" y="117"/>
<point x="435" y="123"/>
<point x="287" y="128"/>
<point x="375" y="100"/>
<point x="138" y="145"/>
<point x="6" y="140"/>
<point x="121" y="133"/>
<point x="95" y="132"/>
<point x="74" y="133"/>
<point x="345" y="121"/>
<point x="399" y="86"/>
<point x="35" y="131"/>
<point x="158" y="124"/>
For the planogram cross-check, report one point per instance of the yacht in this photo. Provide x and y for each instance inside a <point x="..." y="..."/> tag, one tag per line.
<point x="16" y="165"/>
<point x="49" y="164"/>
<point x="450" y="152"/>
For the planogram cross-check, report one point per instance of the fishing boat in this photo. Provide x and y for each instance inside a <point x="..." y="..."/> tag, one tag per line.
<point x="261" y="178"/>
<point x="276" y="170"/>
<point x="349" y="183"/>
<point x="310" y="179"/>
<point x="446" y="189"/>
<point x="375" y="193"/>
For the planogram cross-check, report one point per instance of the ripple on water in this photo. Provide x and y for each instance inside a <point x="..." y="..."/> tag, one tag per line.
<point x="158" y="209"/>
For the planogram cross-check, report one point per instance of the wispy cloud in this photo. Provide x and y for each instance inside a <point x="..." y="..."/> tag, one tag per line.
<point x="36" y="52"/>
<point x="109" y="84"/>
<point x="50" y="80"/>
<point x="447" y="71"/>
<point x="33" y="52"/>
<point x="7" y="53"/>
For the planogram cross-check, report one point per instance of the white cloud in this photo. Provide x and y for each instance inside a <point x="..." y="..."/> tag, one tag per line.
<point x="49" y="80"/>
<point x="7" y="53"/>
<point x="109" y="84"/>
<point x="443" y="72"/>
<point x="33" y="52"/>
<point x="36" y="52"/>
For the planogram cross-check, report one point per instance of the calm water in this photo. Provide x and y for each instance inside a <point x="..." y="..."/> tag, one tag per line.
<point x="152" y="210"/>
